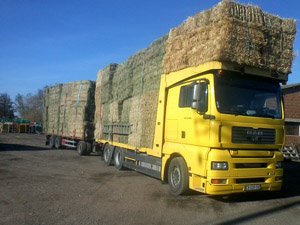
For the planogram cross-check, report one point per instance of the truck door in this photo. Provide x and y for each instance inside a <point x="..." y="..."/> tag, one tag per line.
<point x="186" y="113"/>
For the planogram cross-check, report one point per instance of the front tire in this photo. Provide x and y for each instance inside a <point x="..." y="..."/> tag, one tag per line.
<point x="178" y="177"/>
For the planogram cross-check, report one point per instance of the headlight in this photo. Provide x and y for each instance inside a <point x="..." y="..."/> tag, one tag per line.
<point x="278" y="165"/>
<point x="219" y="165"/>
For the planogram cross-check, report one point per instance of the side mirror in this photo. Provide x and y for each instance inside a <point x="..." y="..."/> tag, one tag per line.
<point x="200" y="97"/>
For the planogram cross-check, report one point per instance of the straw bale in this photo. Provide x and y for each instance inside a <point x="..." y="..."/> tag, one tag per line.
<point x="102" y="95"/>
<point x="132" y="83"/>
<point x="142" y="116"/>
<point x="51" y="108"/>
<point x="66" y="114"/>
<point x="146" y="63"/>
<point x="105" y="114"/>
<point x="135" y="120"/>
<point x="106" y="77"/>
<point x="232" y="32"/>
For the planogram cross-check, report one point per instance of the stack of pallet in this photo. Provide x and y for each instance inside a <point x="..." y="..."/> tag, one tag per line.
<point x="69" y="109"/>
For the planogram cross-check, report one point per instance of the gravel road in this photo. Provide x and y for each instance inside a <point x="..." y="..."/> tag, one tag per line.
<point x="43" y="186"/>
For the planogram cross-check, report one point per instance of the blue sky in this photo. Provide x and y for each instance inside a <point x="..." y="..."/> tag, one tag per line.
<point x="44" y="42"/>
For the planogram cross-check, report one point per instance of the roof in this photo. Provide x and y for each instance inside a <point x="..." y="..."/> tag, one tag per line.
<point x="290" y="86"/>
<point x="293" y="120"/>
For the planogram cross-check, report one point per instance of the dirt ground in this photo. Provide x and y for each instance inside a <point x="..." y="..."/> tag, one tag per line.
<point x="43" y="186"/>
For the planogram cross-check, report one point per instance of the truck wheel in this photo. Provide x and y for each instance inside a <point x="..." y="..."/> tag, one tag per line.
<point x="96" y="148"/>
<point x="57" y="143"/>
<point x="178" y="176"/>
<point x="107" y="154"/>
<point x="51" y="141"/>
<point x="88" y="148"/>
<point x="81" y="148"/>
<point x="119" y="158"/>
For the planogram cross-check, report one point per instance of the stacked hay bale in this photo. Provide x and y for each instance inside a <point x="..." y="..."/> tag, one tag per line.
<point x="235" y="33"/>
<point x="69" y="109"/>
<point x="129" y="93"/>
<point x="51" y="108"/>
<point x="230" y="32"/>
<point x="103" y="95"/>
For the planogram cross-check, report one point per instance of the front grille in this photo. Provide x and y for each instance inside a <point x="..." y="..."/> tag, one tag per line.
<point x="249" y="180"/>
<point x="250" y="165"/>
<point x="248" y="135"/>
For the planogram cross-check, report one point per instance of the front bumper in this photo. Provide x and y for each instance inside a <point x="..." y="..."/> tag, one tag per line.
<point x="244" y="174"/>
<point x="240" y="188"/>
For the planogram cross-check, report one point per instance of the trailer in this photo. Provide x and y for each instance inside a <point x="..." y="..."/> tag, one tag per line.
<point x="68" y="116"/>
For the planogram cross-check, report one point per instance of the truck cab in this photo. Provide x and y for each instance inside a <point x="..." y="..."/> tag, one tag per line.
<point x="221" y="126"/>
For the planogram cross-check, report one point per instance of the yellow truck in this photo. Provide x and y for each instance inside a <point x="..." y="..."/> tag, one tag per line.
<point x="218" y="130"/>
<point x="201" y="108"/>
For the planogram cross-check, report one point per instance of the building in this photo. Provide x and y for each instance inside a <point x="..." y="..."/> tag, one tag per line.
<point x="292" y="114"/>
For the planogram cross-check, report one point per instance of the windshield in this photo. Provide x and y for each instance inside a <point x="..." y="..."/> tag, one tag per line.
<point x="239" y="95"/>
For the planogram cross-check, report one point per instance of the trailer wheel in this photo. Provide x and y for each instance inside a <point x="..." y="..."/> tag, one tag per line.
<point x="88" y="148"/>
<point x="107" y="154"/>
<point x="178" y="176"/>
<point x="51" y="141"/>
<point x="96" y="148"/>
<point x="57" y="142"/>
<point x="81" y="148"/>
<point x="119" y="158"/>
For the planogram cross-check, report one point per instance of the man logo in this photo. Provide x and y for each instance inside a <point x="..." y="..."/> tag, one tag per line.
<point x="255" y="135"/>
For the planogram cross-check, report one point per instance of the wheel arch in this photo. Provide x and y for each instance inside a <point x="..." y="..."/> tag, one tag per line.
<point x="168" y="162"/>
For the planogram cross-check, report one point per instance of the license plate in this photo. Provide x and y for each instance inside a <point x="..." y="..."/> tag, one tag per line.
<point x="252" y="187"/>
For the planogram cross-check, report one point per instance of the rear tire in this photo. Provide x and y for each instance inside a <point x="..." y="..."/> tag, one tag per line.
<point x="119" y="158"/>
<point x="178" y="176"/>
<point x="107" y="154"/>
<point x="57" y="142"/>
<point x="81" y="148"/>
<point x="51" y="141"/>
<point x="88" y="148"/>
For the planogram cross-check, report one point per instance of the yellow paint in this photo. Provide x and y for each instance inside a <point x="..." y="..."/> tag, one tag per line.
<point x="184" y="132"/>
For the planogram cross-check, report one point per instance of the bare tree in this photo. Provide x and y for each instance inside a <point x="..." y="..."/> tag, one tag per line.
<point x="20" y="104"/>
<point x="30" y="107"/>
<point x="6" y="106"/>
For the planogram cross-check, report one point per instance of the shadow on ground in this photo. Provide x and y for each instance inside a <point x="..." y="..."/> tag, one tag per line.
<point x="18" y="147"/>
<point x="263" y="213"/>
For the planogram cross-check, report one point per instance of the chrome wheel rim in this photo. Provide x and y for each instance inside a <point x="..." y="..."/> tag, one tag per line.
<point x="106" y="154"/>
<point x="175" y="177"/>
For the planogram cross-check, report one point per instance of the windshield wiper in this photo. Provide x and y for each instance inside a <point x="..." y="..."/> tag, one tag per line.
<point x="266" y="116"/>
<point x="235" y="112"/>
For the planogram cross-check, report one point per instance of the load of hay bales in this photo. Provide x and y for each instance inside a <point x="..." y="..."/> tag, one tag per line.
<point x="103" y="95"/>
<point x="69" y="109"/>
<point x="127" y="94"/>
<point x="232" y="32"/>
